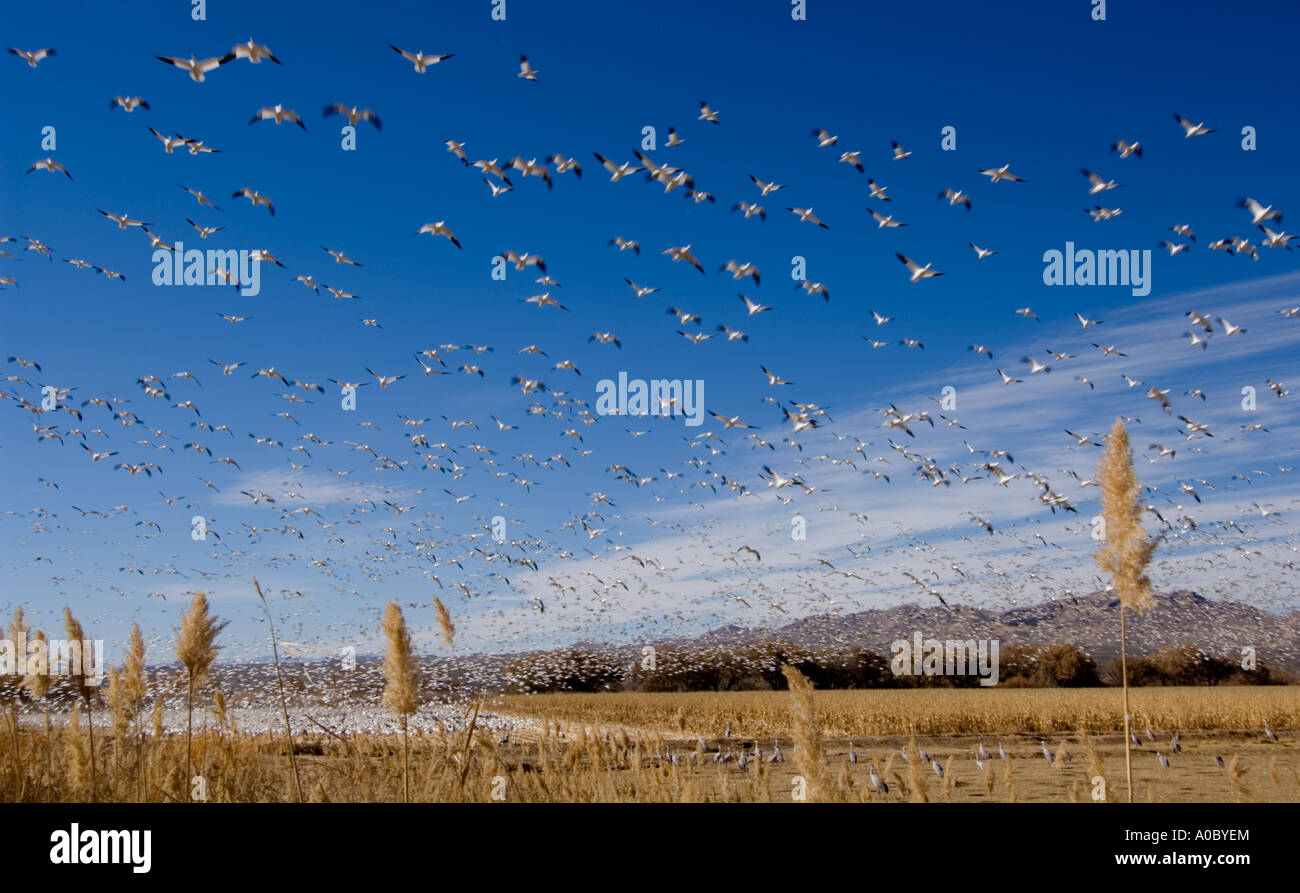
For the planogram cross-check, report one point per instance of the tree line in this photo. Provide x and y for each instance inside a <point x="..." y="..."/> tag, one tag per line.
<point x="757" y="667"/>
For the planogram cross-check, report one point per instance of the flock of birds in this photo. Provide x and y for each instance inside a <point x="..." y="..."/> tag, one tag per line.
<point x="748" y="753"/>
<point x="370" y="529"/>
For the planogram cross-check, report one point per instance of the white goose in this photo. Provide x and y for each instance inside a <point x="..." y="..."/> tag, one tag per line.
<point x="254" y="52"/>
<point x="255" y="197"/>
<point x="766" y="188"/>
<point x="806" y="215"/>
<point x="33" y="56"/>
<point x="956" y="197"/>
<point x="1190" y="129"/>
<point x="1125" y="148"/>
<point x="197" y="68"/>
<point x="617" y="171"/>
<point x="420" y="60"/>
<point x="1098" y="184"/>
<point x="917" y="271"/>
<point x="824" y="138"/>
<point x="680" y="253"/>
<point x="169" y="142"/>
<point x="122" y="220"/>
<point x="128" y="103"/>
<point x="1259" y="213"/>
<point x="883" y="221"/>
<point x="277" y="113"/>
<point x="1098" y="213"/>
<point x="1001" y="173"/>
<point x="49" y="164"/>
<point x="437" y="229"/>
<point x="353" y="114"/>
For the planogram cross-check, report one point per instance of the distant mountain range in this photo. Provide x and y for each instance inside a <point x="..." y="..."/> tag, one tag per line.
<point x="1089" y="622"/>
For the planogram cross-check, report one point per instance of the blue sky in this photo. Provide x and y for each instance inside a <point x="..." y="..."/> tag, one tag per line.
<point x="1039" y="86"/>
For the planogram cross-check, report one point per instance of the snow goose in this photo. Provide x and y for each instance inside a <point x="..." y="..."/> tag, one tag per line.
<point x="884" y="221"/>
<point x="353" y="114"/>
<point x="128" y="103"/>
<point x="917" y="271"/>
<point x="255" y="197"/>
<point x="49" y="164"/>
<point x="956" y="197"/>
<point x="197" y="68"/>
<point x="1190" y="129"/>
<point x="420" y="60"/>
<point x="1259" y="213"/>
<point x="437" y="229"/>
<point x="1098" y="184"/>
<point x="766" y="189"/>
<point x="1125" y="148"/>
<point x="277" y="113"/>
<point x="1001" y="173"/>
<point x="617" y="171"/>
<point x="33" y="56"/>
<point x="806" y="215"/>
<point x="254" y="52"/>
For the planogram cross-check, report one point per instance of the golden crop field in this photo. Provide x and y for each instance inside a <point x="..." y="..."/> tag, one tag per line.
<point x="893" y="712"/>
<point x="843" y="746"/>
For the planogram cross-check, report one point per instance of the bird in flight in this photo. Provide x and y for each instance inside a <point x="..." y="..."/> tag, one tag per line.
<point x="32" y="57"/>
<point x="917" y="271"/>
<point x="420" y="60"/>
<point x="197" y="68"/>
<point x="277" y="113"/>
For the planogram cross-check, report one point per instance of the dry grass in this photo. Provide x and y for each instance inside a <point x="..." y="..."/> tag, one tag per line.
<point x="905" y="712"/>
<point x="571" y="755"/>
